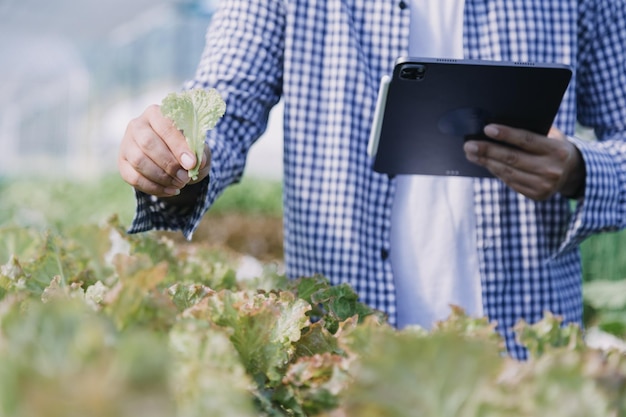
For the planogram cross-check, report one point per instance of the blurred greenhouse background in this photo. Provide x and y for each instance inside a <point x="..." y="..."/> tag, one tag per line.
<point x="74" y="72"/>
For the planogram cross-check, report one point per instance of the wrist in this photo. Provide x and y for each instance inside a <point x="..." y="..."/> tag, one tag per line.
<point x="188" y="194"/>
<point x="574" y="185"/>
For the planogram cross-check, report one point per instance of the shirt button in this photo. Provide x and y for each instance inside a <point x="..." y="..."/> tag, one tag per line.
<point x="384" y="254"/>
<point x="403" y="5"/>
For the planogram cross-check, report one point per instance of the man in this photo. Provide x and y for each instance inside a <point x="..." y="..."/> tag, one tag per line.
<point x="513" y="248"/>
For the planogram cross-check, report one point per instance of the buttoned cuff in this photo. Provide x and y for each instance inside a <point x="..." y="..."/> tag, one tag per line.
<point x="602" y="206"/>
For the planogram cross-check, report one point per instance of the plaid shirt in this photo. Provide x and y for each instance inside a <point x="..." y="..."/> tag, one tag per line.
<point x="325" y="60"/>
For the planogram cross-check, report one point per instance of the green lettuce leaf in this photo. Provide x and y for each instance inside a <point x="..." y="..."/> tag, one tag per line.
<point x="548" y="334"/>
<point x="444" y="374"/>
<point x="62" y="359"/>
<point x="194" y="112"/>
<point x="262" y="327"/>
<point x="312" y="384"/>
<point x="208" y="377"/>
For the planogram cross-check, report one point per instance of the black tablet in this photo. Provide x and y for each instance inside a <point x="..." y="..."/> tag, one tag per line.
<point x="428" y="108"/>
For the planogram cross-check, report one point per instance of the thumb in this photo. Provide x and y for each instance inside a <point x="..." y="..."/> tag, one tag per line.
<point x="172" y="136"/>
<point x="187" y="160"/>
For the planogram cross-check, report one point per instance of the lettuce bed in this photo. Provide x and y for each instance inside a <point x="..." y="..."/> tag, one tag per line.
<point x="96" y="322"/>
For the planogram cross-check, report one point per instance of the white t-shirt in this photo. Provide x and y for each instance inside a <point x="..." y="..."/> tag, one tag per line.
<point x="433" y="224"/>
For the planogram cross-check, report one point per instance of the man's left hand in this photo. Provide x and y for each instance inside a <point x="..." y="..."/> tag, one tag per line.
<point x="535" y="166"/>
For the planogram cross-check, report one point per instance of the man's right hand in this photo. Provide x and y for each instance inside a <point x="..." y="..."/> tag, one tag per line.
<point x="154" y="156"/>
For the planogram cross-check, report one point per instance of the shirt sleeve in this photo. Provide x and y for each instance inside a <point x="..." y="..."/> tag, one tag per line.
<point x="601" y="104"/>
<point x="243" y="60"/>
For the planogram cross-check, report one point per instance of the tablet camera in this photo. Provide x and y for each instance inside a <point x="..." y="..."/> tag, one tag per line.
<point x="413" y="72"/>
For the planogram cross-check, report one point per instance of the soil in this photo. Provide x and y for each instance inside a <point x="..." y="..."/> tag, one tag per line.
<point x="255" y="235"/>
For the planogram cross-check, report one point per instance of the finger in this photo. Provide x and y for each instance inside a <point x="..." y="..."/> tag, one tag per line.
<point x="533" y="184"/>
<point x="523" y="139"/>
<point x="205" y="165"/>
<point x="148" y="155"/>
<point x="492" y="156"/>
<point x="143" y="184"/>
<point x="148" y="168"/>
<point x="531" y="192"/>
<point x="172" y="137"/>
<point x="500" y="159"/>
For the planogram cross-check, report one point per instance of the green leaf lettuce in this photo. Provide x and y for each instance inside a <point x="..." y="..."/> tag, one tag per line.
<point x="194" y="112"/>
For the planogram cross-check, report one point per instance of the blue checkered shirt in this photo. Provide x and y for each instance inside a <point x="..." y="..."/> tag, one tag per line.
<point x="325" y="60"/>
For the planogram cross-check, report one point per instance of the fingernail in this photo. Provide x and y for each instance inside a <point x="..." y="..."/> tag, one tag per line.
<point x="491" y="130"/>
<point x="183" y="176"/>
<point x="471" y="151"/>
<point x="471" y="147"/>
<point x="171" y="191"/>
<point x="187" y="161"/>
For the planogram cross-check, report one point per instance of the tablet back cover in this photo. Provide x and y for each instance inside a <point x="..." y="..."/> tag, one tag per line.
<point x="431" y="106"/>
